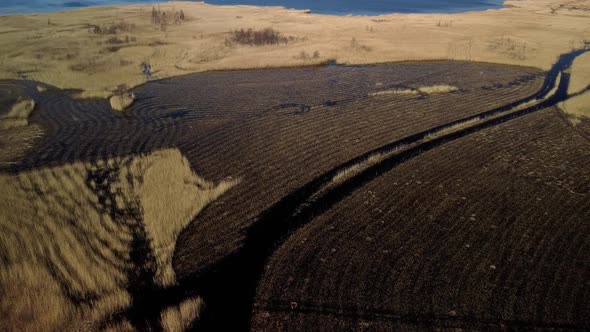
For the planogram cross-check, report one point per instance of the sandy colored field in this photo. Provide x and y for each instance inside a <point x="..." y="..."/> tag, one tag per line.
<point x="580" y="78"/>
<point x="579" y="105"/>
<point x="576" y="107"/>
<point x="70" y="235"/>
<point x="61" y="49"/>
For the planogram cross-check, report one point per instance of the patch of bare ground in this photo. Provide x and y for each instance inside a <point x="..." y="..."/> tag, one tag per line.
<point x="485" y="232"/>
<point x="83" y="241"/>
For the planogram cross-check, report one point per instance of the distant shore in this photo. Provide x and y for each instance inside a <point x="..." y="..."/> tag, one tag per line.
<point x="340" y="7"/>
<point x="101" y="49"/>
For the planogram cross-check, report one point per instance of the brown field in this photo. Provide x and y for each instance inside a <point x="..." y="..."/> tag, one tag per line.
<point x="405" y="196"/>
<point x="489" y="231"/>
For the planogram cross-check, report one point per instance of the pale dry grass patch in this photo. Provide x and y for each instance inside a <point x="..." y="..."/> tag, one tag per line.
<point x="18" y="116"/>
<point x="355" y="169"/>
<point x="580" y="74"/>
<point x="170" y="195"/>
<point x="68" y="232"/>
<point x="121" y="102"/>
<point x="400" y="91"/>
<point x="435" y="89"/>
<point x="577" y="107"/>
<point x="180" y="318"/>
<point x="198" y="44"/>
<point x="16" y="141"/>
<point x="452" y="128"/>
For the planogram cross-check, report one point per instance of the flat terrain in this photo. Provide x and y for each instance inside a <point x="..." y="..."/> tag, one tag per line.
<point x="447" y="193"/>
<point x="309" y="160"/>
<point x="98" y="49"/>
<point x="489" y="231"/>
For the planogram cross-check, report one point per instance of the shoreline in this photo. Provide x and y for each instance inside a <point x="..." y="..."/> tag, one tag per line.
<point x="353" y="13"/>
<point x="58" y="48"/>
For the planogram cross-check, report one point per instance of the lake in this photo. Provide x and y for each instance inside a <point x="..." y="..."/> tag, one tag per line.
<point x="337" y="7"/>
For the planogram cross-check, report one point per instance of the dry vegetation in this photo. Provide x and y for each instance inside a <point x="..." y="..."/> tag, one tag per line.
<point x="121" y="102"/>
<point x="18" y="116"/>
<point x="69" y="231"/>
<point x="160" y="18"/>
<point x="63" y="49"/>
<point x="580" y="74"/>
<point x="266" y="36"/>
<point x="112" y="28"/>
<point x="437" y="89"/>
<point x="578" y="106"/>
<point x="15" y="142"/>
<point x="178" y="319"/>
<point x="17" y="132"/>
<point x="280" y="130"/>
<point x="426" y="90"/>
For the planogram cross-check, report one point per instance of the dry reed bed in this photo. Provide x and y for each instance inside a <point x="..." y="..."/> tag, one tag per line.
<point x="578" y="107"/>
<point x="17" y="134"/>
<point x="489" y="228"/>
<point x="19" y="113"/>
<point x="110" y="43"/>
<point x="70" y="233"/>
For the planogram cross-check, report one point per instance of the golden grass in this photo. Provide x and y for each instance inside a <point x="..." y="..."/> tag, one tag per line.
<point x="15" y="142"/>
<point x="62" y="243"/>
<point x="177" y="319"/>
<point x="580" y="74"/>
<point x="400" y="91"/>
<point x="170" y="197"/>
<point x="577" y="107"/>
<point x="18" y="116"/>
<point x="67" y="54"/>
<point x="122" y="102"/>
<point x="452" y="128"/>
<point x="355" y="169"/>
<point x="436" y="89"/>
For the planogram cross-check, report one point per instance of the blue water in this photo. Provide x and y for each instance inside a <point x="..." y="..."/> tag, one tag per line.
<point x="338" y="7"/>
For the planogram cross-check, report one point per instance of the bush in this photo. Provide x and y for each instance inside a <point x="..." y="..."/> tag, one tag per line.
<point x="111" y="29"/>
<point x="305" y="56"/>
<point x="266" y="36"/>
<point x="160" y="18"/>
